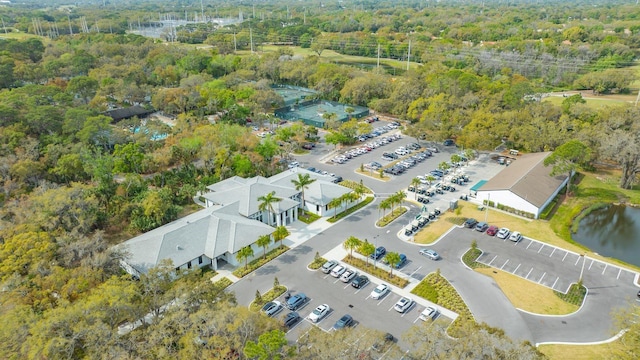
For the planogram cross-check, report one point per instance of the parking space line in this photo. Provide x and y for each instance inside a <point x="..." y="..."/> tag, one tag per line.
<point x="338" y="279"/>
<point x="346" y="286"/>
<point x="539" y="281"/>
<point x="605" y="268"/>
<point x="506" y="262"/>
<point x="529" y="273"/>
<point x="383" y="299"/>
<point x="565" y="255"/>
<point x="490" y="262"/>
<point x="416" y="270"/>
<point x="517" y="267"/>
<point x="554" y="250"/>
<point x="578" y="259"/>
<point x="619" y="272"/>
<point x="541" y="247"/>
<point x="554" y="283"/>
<point x="590" y="265"/>
<point x="391" y="308"/>
<point x="528" y="245"/>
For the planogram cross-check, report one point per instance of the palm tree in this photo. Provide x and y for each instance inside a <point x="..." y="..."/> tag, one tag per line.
<point x="335" y="204"/>
<point x="350" y="197"/>
<point x="245" y="253"/>
<point x="392" y="258"/>
<point x="302" y="183"/>
<point x="280" y="233"/>
<point x="264" y="241"/>
<point x="384" y="206"/>
<point x="415" y="182"/>
<point x="266" y="203"/>
<point x="430" y="178"/>
<point x="366" y="249"/>
<point x="351" y="243"/>
<point x="360" y="190"/>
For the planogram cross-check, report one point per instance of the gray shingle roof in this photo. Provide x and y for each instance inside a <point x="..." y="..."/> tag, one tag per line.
<point x="211" y="232"/>
<point x="320" y="192"/>
<point x="528" y="178"/>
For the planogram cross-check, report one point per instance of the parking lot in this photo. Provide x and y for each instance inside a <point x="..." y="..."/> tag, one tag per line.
<point x="548" y="265"/>
<point x="345" y="299"/>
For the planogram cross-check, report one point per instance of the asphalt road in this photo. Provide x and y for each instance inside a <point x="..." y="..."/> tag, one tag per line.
<point x="609" y="287"/>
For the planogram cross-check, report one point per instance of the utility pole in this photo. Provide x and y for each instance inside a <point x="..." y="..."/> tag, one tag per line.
<point x="71" y="29"/>
<point x="235" y="45"/>
<point x="251" y="39"/>
<point x="584" y="259"/>
<point x="378" y="55"/>
<point x="3" y="26"/>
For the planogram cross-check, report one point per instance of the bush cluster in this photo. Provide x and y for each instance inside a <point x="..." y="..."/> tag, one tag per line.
<point x="253" y="265"/>
<point x="308" y="217"/>
<point x="469" y="258"/>
<point x="575" y="295"/>
<point x="354" y="185"/>
<point x="274" y="293"/>
<point x="387" y="219"/>
<point x="317" y="263"/>
<point x="351" y="210"/>
<point x="446" y="296"/>
<point x="515" y="211"/>
<point x="376" y="271"/>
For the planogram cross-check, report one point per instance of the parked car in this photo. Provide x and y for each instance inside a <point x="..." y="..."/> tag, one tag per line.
<point x="360" y="281"/>
<point x="492" y="230"/>
<point x="482" y="226"/>
<point x="403" y="305"/>
<point x="431" y="254"/>
<point x="345" y="321"/>
<point x="348" y="275"/>
<point x="296" y="301"/>
<point x="319" y="313"/>
<point x="272" y="307"/>
<point x="515" y="236"/>
<point x="382" y="345"/>
<point x="449" y="142"/>
<point x="328" y="266"/>
<point x="291" y="319"/>
<point x="503" y="233"/>
<point x="470" y="223"/>
<point x="429" y="313"/>
<point x="338" y="271"/>
<point x="380" y="252"/>
<point x="380" y="291"/>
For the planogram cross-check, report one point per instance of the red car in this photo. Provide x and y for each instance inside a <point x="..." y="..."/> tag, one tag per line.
<point x="492" y="230"/>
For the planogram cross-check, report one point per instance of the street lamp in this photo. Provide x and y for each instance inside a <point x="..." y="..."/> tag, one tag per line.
<point x="375" y="257"/>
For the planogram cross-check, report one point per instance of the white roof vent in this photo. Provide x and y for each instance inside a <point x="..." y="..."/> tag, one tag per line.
<point x="178" y="247"/>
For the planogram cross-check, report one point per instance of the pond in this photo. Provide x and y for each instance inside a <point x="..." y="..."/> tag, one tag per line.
<point x="613" y="231"/>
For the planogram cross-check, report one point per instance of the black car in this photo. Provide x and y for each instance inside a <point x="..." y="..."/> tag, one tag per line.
<point x="291" y="319"/>
<point x="380" y="252"/>
<point x="345" y="321"/>
<point x="470" y="223"/>
<point x="449" y="142"/>
<point x="337" y="179"/>
<point x="360" y="281"/>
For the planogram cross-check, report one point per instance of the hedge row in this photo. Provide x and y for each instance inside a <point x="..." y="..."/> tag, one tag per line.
<point x="255" y="264"/>
<point x="376" y="271"/>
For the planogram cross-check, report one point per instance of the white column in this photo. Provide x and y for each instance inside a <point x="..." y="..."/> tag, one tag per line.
<point x="278" y="219"/>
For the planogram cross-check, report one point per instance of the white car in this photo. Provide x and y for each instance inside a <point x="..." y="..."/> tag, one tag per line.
<point x="379" y="291"/>
<point x="515" y="236"/>
<point x="503" y="233"/>
<point x="348" y="275"/>
<point x="431" y="254"/>
<point x="338" y="271"/>
<point x="319" y="313"/>
<point x="403" y="305"/>
<point x="293" y="164"/>
<point x="429" y="313"/>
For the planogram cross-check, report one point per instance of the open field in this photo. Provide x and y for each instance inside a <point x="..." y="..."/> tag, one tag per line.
<point x="335" y="57"/>
<point x="593" y="101"/>
<point x="529" y="296"/>
<point x="579" y="352"/>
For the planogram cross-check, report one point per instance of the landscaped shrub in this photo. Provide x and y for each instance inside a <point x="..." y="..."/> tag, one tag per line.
<point x="376" y="271"/>
<point x="352" y="209"/>
<point x="387" y="219"/>
<point x="317" y="263"/>
<point x="469" y="258"/>
<point x="242" y="271"/>
<point x="575" y="295"/>
<point x="266" y="297"/>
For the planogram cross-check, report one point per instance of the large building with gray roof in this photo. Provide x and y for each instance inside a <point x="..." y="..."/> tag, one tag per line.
<point x="526" y="185"/>
<point x="231" y="220"/>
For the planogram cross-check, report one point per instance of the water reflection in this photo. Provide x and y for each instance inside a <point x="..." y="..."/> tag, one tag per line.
<point x="613" y="231"/>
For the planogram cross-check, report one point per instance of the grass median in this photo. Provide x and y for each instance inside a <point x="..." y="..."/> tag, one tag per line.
<point x="388" y="219"/>
<point x="255" y="264"/>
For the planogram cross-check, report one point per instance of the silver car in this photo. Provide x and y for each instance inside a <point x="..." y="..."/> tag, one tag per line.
<point x="272" y="307"/>
<point x="431" y="254"/>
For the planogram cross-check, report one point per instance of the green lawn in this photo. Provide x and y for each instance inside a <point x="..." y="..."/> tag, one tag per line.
<point x="591" y="102"/>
